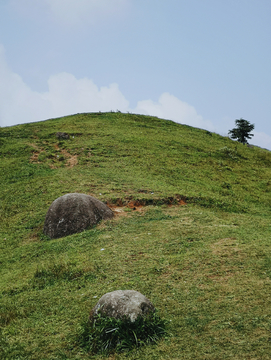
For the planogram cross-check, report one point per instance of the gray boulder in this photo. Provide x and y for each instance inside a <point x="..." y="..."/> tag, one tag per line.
<point x="73" y="213"/>
<point x="121" y="304"/>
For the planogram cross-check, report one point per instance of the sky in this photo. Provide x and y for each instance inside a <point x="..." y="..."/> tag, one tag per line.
<point x="203" y="63"/>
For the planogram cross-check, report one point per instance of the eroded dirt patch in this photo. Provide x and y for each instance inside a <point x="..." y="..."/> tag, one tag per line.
<point x="71" y="160"/>
<point x="61" y="155"/>
<point x="35" y="156"/>
<point x="122" y="206"/>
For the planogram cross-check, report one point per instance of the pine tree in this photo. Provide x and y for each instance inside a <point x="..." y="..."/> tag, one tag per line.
<point x="242" y="131"/>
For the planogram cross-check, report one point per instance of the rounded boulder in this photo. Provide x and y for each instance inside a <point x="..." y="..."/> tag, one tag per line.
<point x="122" y="304"/>
<point x="72" y="213"/>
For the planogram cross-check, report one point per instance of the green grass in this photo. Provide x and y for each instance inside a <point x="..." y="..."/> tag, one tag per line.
<point x="105" y="335"/>
<point x="206" y="265"/>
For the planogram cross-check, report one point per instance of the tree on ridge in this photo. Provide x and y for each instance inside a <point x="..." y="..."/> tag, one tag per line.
<point x="242" y="131"/>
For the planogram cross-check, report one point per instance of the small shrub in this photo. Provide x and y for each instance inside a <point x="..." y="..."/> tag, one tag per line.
<point x="228" y="153"/>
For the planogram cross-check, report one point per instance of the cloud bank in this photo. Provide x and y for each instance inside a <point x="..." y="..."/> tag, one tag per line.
<point x="261" y="139"/>
<point x="170" y="107"/>
<point x="67" y="95"/>
<point x="70" y="95"/>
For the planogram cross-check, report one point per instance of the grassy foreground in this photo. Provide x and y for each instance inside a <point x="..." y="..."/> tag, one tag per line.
<point x="192" y="232"/>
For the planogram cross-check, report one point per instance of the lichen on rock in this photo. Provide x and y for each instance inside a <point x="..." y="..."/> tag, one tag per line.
<point x="121" y="304"/>
<point x="72" y="213"/>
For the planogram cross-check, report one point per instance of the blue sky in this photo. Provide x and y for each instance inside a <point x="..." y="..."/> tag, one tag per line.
<point x="203" y="63"/>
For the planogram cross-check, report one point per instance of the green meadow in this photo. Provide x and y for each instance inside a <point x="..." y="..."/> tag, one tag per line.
<point x="191" y="231"/>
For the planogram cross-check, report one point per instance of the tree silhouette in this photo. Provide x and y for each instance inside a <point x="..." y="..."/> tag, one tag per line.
<point x="242" y="131"/>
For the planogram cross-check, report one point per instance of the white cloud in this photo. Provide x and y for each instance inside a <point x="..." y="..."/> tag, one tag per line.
<point x="70" y="95"/>
<point x="66" y="95"/>
<point x="261" y="139"/>
<point x="170" y="107"/>
<point x="18" y="103"/>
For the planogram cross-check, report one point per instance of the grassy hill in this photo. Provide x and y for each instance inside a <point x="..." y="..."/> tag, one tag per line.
<point x="192" y="233"/>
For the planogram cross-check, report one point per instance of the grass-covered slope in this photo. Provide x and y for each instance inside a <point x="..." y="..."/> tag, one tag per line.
<point x="205" y="265"/>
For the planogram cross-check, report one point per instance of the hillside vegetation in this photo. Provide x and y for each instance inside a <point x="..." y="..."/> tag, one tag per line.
<point x="191" y="232"/>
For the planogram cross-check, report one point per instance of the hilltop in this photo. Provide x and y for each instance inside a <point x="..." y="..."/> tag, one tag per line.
<point x="191" y="232"/>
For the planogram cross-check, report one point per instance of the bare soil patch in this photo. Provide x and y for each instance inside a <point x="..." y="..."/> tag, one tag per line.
<point x="120" y="206"/>
<point x="70" y="160"/>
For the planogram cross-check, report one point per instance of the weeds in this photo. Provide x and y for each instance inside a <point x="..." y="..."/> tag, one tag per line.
<point x="228" y="153"/>
<point x="107" y="335"/>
